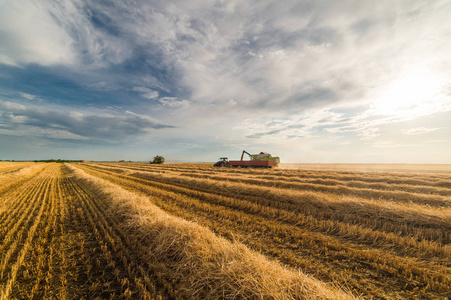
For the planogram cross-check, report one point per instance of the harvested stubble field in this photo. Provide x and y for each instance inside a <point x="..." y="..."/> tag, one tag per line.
<point x="141" y="231"/>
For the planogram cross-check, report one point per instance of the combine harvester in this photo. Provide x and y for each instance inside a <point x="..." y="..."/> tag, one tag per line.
<point x="261" y="160"/>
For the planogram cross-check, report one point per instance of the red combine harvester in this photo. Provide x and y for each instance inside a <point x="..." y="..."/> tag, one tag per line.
<point x="261" y="160"/>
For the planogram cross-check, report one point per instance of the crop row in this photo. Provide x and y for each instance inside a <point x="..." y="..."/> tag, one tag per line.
<point x="408" y="219"/>
<point x="276" y="222"/>
<point x="57" y="243"/>
<point x="434" y="180"/>
<point x="6" y="167"/>
<point x="68" y="235"/>
<point x="199" y="263"/>
<point x="430" y="192"/>
<point x="20" y="224"/>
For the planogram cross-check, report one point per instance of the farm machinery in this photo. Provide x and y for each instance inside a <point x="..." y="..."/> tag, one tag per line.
<point x="261" y="160"/>
<point x="158" y="160"/>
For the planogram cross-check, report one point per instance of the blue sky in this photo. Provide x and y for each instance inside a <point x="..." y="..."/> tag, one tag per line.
<point x="309" y="81"/>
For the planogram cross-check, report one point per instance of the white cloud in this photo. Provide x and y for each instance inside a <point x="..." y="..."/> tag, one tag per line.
<point x="393" y="145"/>
<point x="173" y="102"/>
<point x="146" y="92"/>
<point x="294" y="127"/>
<point x="28" y="96"/>
<point x="30" y="35"/>
<point x="8" y="105"/>
<point x="50" y="33"/>
<point x="419" y="130"/>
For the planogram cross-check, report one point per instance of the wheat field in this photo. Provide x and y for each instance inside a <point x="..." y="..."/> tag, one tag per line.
<point x="191" y="231"/>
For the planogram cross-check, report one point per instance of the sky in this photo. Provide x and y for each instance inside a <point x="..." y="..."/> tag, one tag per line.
<point x="331" y="81"/>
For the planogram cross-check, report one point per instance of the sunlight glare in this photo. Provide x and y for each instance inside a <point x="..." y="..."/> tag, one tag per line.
<point x="418" y="92"/>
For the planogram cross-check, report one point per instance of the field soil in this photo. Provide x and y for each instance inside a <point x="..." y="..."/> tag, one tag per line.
<point x="191" y="231"/>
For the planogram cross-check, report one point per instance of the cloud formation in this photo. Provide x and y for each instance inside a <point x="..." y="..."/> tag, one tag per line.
<point x="75" y="125"/>
<point x="146" y="92"/>
<point x="30" y="35"/>
<point x="419" y="130"/>
<point x="247" y="71"/>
